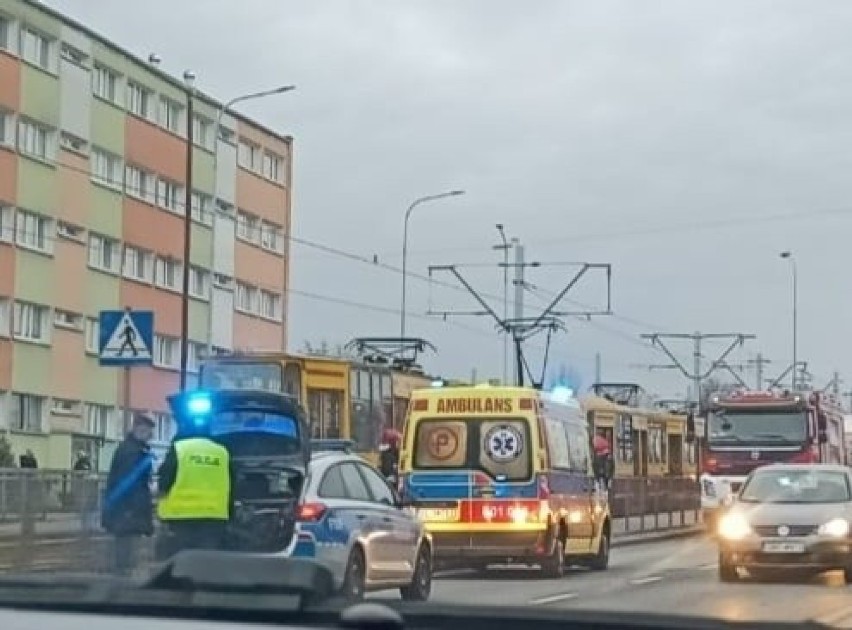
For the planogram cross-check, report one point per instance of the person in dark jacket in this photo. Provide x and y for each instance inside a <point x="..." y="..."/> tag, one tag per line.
<point x="389" y="453"/>
<point x="128" y="509"/>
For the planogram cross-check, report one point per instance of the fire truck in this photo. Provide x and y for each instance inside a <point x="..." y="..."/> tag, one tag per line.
<point x="748" y="429"/>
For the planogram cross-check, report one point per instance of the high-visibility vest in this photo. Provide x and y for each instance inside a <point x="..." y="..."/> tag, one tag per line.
<point x="202" y="485"/>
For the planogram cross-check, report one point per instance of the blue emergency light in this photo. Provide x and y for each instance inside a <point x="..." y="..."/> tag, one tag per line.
<point x="561" y="393"/>
<point x="198" y="405"/>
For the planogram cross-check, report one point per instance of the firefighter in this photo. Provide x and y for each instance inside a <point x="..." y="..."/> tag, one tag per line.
<point x="195" y="481"/>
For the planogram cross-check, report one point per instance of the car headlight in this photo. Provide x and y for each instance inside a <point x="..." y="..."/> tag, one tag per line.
<point x="836" y="528"/>
<point x="734" y="527"/>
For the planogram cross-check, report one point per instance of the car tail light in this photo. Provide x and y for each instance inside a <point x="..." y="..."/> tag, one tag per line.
<point x="310" y="512"/>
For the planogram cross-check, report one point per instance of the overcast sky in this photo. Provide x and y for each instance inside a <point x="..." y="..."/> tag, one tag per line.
<point x="686" y="143"/>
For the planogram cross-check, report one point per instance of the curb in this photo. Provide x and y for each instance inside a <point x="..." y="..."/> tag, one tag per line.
<point x="627" y="540"/>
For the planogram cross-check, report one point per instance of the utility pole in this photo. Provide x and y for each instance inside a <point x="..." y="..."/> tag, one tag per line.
<point x="597" y="367"/>
<point x="696" y="375"/>
<point x="520" y="327"/>
<point x="505" y="246"/>
<point x="757" y="363"/>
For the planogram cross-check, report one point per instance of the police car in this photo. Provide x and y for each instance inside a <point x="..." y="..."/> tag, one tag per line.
<point x="351" y="520"/>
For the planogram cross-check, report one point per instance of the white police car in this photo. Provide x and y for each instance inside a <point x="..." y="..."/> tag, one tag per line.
<point x="351" y="520"/>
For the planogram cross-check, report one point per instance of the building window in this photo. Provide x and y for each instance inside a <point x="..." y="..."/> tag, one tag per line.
<point x="105" y="83"/>
<point x="199" y="282"/>
<point x="7" y="128"/>
<point x="163" y="427"/>
<point x="273" y="166"/>
<point x="171" y="114"/>
<point x="63" y="407"/>
<point x="98" y="419"/>
<point x="69" y="53"/>
<point x="104" y="253"/>
<point x="35" y="48"/>
<point x="7" y="224"/>
<point x="106" y="167"/>
<point x="169" y="195"/>
<point x="270" y="237"/>
<point x="139" y="100"/>
<point x="4" y="318"/>
<point x="201" y="208"/>
<point x="166" y="351"/>
<point x="246" y="297"/>
<point x="139" y="184"/>
<point x="34" y="139"/>
<point x="270" y="305"/>
<point x="202" y="135"/>
<point x="71" y="142"/>
<point x="26" y="413"/>
<point x="33" y="231"/>
<point x="248" y="156"/>
<point x="6" y="34"/>
<point x="69" y="231"/>
<point x="92" y="333"/>
<point x="168" y="274"/>
<point x="30" y="322"/>
<point x="138" y="264"/>
<point x="247" y="227"/>
<point x="67" y="319"/>
<point x="195" y="356"/>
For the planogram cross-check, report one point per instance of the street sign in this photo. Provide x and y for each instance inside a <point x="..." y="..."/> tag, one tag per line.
<point x="126" y="338"/>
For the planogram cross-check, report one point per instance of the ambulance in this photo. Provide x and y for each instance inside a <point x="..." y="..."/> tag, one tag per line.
<point x="504" y="475"/>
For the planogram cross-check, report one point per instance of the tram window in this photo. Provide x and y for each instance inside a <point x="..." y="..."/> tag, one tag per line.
<point x="293" y="380"/>
<point x="387" y="387"/>
<point x="353" y="383"/>
<point x="362" y="427"/>
<point x="578" y="447"/>
<point x="657" y="445"/>
<point x="376" y="394"/>
<point x="625" y="439"/>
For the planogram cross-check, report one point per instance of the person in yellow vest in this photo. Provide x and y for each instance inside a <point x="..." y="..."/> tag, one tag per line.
<point x="195" y="482"/>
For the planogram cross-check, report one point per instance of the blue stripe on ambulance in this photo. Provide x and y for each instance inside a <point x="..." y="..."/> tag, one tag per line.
<point x="458" y="485"/>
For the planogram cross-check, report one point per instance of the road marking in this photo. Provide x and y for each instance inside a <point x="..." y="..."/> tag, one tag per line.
<point x="551" y="599"/>
<point x="708" y="567"/>
<point x="646" y="580"/>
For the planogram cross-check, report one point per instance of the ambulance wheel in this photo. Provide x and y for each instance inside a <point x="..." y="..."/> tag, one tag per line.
<point x="600" y="561"/>
<point x="727" y="570"/>
<point x="356" y="575"/>
<point x="421" y="581"/>
<point x="554" y="565"/>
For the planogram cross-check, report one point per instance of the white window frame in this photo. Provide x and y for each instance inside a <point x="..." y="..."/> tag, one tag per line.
<point x="166" y="352"/>
<point x="270" y="305"/>
<point x="7" y="33"/>
<point x="246" y="298"/>
<point x="106" y="168"/>
<point x="97" y="251"/>
<point x="7" y="128"/>
<point x="70" y="231"/>
<point x="27" y="413"/>
<point x="105" y="83"/>
<point x="273" y="166"/>
<point x="92" y="335"/>
<point x="31" y="322"/>
<point x="202" y="132"/>
<point x="170" y="195"/>
<point x="70" y="142"/>
<point x="249" y="156"/>
<point x="72" y="54"/>
<point x="7" y="224"/>
<point x="164" y="427"/>
<point x="65" y="407"/>
<point x="199" y="282"/>
<point x="201" y="211"/>
<point x="98" y="419"/>
<point x="68" y="320"/>
<point x="248" y="227"/>
<point x="35" y="139"/>
<point x="34" y="231"/>
<point x="140" y="100"/>
<point x="138" y="264"/>
<point x="42" y="55"/>
<point x="195" y="355"/>
<point x="140" y="184"/>
<point x="166" y="268"/>
<point x="271" y="237"/>
<point x="5" y="316"/>
<point x="171" y="115"/>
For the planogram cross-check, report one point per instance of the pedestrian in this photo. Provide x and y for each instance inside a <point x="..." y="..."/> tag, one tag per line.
<point x="603" y="464"/>
<point x="389" y="454"/>
<point x="128" y="510"/>
<point x="195" y="482"/>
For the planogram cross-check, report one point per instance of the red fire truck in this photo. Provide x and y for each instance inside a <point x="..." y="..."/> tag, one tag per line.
<point x="748" y="429"/>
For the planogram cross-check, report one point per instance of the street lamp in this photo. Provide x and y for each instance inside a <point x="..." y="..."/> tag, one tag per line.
<point x="417" y="202"/>
<point x="216" y="131"/>
<point x="789" y="256"/>
<point x="505" y="247"/>
<point x="189" y="81"/>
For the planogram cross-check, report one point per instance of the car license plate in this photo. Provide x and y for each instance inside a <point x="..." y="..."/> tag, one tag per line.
<point x="783" y="547"/>
<point x="438" y="514"/>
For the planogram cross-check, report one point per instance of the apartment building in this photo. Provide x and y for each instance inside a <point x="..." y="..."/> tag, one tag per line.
<point x="92" y="183"/>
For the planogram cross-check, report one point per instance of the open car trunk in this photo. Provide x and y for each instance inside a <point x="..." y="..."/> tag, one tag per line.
<point x="267" y="438"/>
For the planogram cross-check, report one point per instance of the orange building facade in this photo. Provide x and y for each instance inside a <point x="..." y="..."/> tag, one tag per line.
<point x="93" y="177"/>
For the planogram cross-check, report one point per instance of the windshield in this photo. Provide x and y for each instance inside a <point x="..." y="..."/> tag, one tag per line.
<point x="805" y="486"/>
<point x="499" y="448"/>
<point x="267" y="376"/>
<point x="757" y="427"/>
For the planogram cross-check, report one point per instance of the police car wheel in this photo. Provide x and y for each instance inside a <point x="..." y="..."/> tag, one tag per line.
<point x="421" y="582"/>
<point x="353" y="581"/>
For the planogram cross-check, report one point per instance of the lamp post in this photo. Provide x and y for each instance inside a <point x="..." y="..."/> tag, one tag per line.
<point x="788" y="255"/>
<point x="189" y="80"/>
<point x="415" y="203"/>
<point x="505" y="246"/>
<point x="215" y="197"/>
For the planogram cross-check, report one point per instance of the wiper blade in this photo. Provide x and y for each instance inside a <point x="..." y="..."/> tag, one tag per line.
<point x="773" y="436"/>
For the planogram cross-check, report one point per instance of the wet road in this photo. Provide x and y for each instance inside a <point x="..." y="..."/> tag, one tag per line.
<point x="673" y="575"/>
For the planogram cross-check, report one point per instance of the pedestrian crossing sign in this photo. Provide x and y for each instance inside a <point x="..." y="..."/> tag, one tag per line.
<point x="126" y="338"/>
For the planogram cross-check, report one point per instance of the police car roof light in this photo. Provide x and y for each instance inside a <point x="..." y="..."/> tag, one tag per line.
<point x="344" y="446"/>
<point x="561" y="393"/>
<point x="199" y="404"/>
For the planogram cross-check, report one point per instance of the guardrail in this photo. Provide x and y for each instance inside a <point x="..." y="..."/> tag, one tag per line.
<point x="50" y="520"/>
